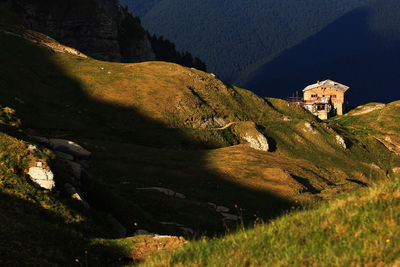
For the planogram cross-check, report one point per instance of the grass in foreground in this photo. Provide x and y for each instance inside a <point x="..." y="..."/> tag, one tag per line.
<point x="361" y="228"/>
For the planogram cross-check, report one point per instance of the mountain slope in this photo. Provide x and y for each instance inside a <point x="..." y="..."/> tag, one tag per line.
<point x="360" y="228"/>
<point x="361" y="49"/>
<point x="174" y="150"/>
<point x="375" y="119"/>
<point x="240" y="34"/>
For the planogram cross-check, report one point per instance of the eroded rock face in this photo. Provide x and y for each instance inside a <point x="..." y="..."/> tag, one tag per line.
<point x="42" y="177"/>
<point x="96" y="28"/>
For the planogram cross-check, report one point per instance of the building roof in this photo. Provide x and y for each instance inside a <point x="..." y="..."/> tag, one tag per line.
<point x="330" y="83"/>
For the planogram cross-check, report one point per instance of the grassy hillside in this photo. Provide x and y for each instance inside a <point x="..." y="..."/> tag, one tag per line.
<point x="240" y="34"/>
<point x="360" y="228"/>
<point x="159" y="125"/>
<point x="375" y="119"/>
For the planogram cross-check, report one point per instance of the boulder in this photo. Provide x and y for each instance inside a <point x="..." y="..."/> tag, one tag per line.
<point x="182" y="227"/>
<point x="76" y="168"/>
<point x="32" y="148"/>
<point x="248" y="131"/>
<point x="71" y="190"/>
<point x="222" y="209"/>
<point x="62" y="155"/>
<point x="78" y="197"/>
<point x="258" y="142"/>
<point x="229" y="217"/>
<point x="165" y="191"/>
<point x="396" y="170"/>
<point x="309" y="127"/>
<point x="118" y="229"/>
<point x="69" y="147"/>
<point x="142" y="232"/>
<point x="40" y="139"/>
<point x="340" y="140"/>
<point x="42" y="177"/>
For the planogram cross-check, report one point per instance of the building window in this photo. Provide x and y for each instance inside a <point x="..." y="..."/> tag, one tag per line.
<point x="314" y="95"/>
<point x="334" y="96"/>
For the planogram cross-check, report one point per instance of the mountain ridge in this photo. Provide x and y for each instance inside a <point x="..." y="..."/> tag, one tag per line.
<point x="262" y="29"/>
<point x="353" y="50"/>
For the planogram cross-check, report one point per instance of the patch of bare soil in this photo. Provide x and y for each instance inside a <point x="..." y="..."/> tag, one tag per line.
<point x="151" y="245"/>
<point x="367" y="109"/>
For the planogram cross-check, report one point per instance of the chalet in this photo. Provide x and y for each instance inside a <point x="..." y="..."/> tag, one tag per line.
<point x="325" y="99"/>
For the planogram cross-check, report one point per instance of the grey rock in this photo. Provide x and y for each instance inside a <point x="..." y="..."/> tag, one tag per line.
<point x="142" y="232"/>
<point x="341" y="142"/>
<point x="78" y="197"/>
<point x="118" y="229"/>
<point x="40" y="139"/>
<point x="396" y="170"/>
<point x="69" y="147"/>
<point x="165" y="191"/>
<point x="249" y="132"/>
<point x="258" y="141"/>
<point x="75" y="167"/>
<point x="62" y="155"/>
<point x="71" y="190"/>
<point x="229" y="217"/>
<point x="309" y="127"/>
<point x="32" y="148"/>
<point x="182" y="227"/>
<point x="42" y="177"/>
<point x="222" y="209"/>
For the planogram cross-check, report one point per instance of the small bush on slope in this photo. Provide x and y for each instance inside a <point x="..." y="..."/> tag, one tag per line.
<point x="361" y="228"/>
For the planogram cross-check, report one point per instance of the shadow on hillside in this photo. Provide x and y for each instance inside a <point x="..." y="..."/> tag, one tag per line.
<point x="361" y="49"/>
<point x="34" y="235"/>
<point x="129" y="151"/>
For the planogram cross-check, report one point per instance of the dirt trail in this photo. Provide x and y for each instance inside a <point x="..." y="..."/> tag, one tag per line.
<point x="226" y="126"/>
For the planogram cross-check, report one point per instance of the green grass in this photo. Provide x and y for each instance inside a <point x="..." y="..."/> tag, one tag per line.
<point x="360" y="228"/>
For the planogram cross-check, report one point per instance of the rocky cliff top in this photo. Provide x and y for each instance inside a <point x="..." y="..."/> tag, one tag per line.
<point x="98" y="28"/>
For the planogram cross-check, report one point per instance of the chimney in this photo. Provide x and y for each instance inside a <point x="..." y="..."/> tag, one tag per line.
<point x="318" y="81"/>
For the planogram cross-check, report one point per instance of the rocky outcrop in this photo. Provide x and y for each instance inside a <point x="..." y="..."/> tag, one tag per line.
<point x="69" y="147"/>
<point x="308" y="127"/>
<point x="165" y="191"/>
<point x="340" y="140"/>
<point x="224" y="212"/>
<point x="396" y="170"/>
<point x="68" y="158"/>
<point x="248" y="131"/>
<point x="71" y="190"/>
<point x="100" y="28"/>
<point x="257" y="141"/>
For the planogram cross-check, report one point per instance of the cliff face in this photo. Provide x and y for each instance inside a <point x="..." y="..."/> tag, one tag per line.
<point x="98" y="28"/>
